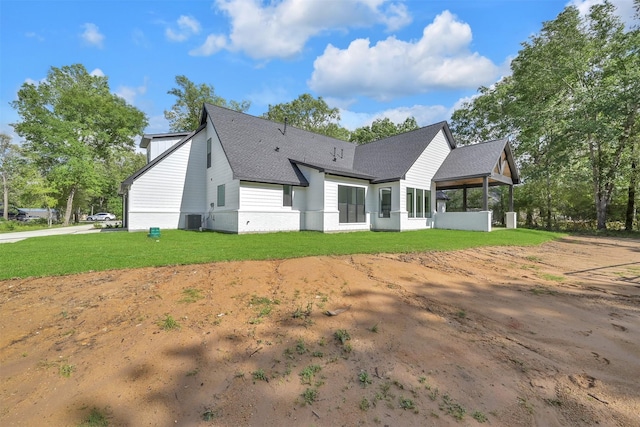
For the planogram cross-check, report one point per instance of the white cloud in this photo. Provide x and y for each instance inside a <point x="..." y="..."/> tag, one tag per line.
<point x="624" y="8"/>
<point x="129" y="93"/>
<point x="139" y="38"/>
<point x="187" y="26"/>
<point x="97" y="73"/>
<point x="34" y="35"/>
<point x="213" y="44"/>
<point x="424" y="115"/>
<point x="281" y="29"/>
<point x="441" y="59"/>
<point x="92" y="35"/>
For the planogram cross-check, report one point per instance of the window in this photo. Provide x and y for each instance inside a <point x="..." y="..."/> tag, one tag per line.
<point x="287" y="200"/>
<point x="418" y="203"/>
<point x="351" y="204"/>
<point x="427" y="203"/>
<point x="221" y="195"/>
<point x="208" y="153"/>
<point x="411" y="208"/>
<point x="385" y="203"/>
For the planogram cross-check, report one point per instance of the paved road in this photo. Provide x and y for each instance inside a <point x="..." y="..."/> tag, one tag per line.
<point x="21" y="235"/>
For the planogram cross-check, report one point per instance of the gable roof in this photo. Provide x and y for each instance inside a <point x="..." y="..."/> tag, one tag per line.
<point x="473" y="162"/>
<point x="127" y="182"/>
<point x="261" y="150"/>
<point x="389" y="159"/>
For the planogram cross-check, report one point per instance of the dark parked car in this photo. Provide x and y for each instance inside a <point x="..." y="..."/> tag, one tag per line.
<point x="24" y="216"/>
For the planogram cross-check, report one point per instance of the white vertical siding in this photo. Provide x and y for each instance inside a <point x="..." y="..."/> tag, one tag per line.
<point x="222" y="218"/>
<point x="159" y="146"/>
<point x="166" y="192"/>
<point x="419" y="176"/>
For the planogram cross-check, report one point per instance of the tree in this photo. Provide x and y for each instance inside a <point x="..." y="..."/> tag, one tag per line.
<point x="184" y="116"/>
<point x="309" y="113"/>
<point x="382" y="128"/>
<point x="71" y="123"/>
<point x="8" y="157"/>
<point x="572" y="105"/>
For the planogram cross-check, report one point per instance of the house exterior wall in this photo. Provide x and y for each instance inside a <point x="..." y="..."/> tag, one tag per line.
<point x="419" y="176"/>
<point x="160" y="145"/>
<point x="220" y="218"/>
<point x="471" y="221"/>
<point x="312" y="217"/>
<point x="393" y="223"/>
<point x="331" y="215"/>
<point x="163" y="195"/>
<point x="262" y="210"/>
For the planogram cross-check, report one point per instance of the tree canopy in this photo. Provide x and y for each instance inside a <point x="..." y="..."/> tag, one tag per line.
<point x="309" y="113"/>
<point x="185" y="113"/>
<point x="72" y="125"/>
<point x="572" y="105"/>
<point x="382" y="128"/>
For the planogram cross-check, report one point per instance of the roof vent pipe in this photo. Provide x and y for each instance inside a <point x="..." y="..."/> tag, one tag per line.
<point x="285" y="127"/>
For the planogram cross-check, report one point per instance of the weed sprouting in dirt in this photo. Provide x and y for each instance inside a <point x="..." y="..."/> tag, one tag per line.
<point x="259" y="375"/>
<point x="406" y="403"/>
<point x="479" y="417"/>
<point x="308" y="374"/>
<point x="169" y="323"/>
<point x="310" y="395"/>
<point x="95" y="419"/>
<point x="374" y="328"/>
<point x="301" y="313"/>
<point x="301" y="348"/>
<point x="364" y="378"/>
<point x="365" y="404"/>
<point x="342" y="335"/>
<point x="191" y="295"/>
<point x="210" y="415"/>
<point x="66" y="370"/>
<point x="452" y="408"/>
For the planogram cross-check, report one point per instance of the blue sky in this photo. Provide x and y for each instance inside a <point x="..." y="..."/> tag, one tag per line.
<point x="370" y="58"/>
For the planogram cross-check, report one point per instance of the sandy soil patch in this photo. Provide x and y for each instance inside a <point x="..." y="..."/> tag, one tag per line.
<point x="546" y="336"/>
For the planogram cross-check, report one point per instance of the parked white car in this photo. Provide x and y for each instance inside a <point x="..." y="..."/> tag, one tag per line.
<point x="101" y="216"/>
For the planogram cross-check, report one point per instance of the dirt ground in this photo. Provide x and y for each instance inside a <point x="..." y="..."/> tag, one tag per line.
<point x="510" y="336"/>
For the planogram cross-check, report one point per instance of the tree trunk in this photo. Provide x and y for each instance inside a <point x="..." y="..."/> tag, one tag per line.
<point x="69" y="209"/>
<point x="601" y="211"/>
<point x="631" y="199"/>
<point x="5" y="193"/>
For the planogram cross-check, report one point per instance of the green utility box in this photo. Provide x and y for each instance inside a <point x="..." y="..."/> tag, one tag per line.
<point x="154" y="232"/>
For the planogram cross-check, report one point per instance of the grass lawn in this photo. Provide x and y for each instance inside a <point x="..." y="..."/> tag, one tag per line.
<point x="67" y="254"/>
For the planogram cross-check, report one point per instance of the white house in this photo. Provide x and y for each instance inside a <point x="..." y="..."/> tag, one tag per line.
<point x="243" y="174"/>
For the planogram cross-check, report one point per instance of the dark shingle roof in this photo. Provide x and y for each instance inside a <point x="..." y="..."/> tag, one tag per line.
<point x="474" y="161"/>
<point x="263" y="151"/>
<point x="389" y="159"/>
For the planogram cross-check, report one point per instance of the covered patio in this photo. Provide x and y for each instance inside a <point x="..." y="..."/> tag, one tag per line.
<point x="481" y="165"/>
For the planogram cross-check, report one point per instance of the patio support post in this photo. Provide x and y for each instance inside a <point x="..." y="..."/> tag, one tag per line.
<point x="511" y="198"/>
<point x="464" y="198"/>
<point x="485" y="191"/>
